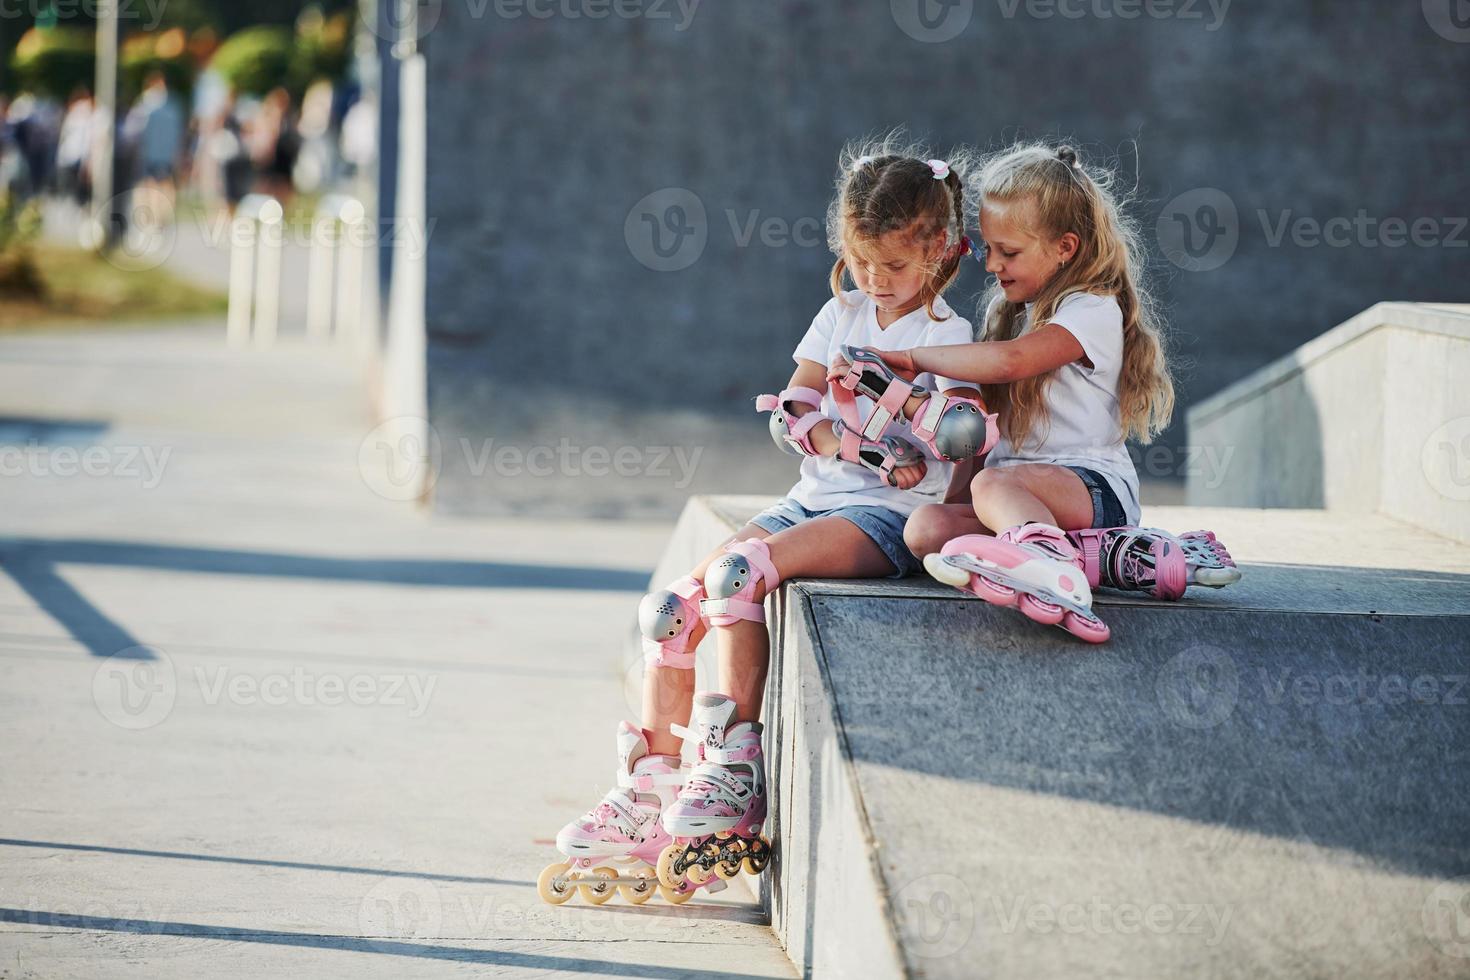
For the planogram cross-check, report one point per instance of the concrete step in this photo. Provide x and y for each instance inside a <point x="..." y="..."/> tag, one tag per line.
<point x="1267" y="779"/>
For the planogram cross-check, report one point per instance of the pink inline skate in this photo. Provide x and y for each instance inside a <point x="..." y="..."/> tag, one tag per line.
<point x="1146" y="559"/>
<point x="1032" y="567"/>
<point x="622" y="829"/>
<point x="716" y="821"/>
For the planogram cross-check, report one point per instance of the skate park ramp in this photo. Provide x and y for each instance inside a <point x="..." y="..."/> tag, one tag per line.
<point x="1264" y="780"/>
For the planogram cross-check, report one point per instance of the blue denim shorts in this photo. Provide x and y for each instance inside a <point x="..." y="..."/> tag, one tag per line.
<point x="884" y="526"/>
<point x="1107" y="510"/>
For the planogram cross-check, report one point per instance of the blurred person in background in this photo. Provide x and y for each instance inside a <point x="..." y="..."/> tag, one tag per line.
<point x="315" y="167"/>
<point x="74" y="147"/>
<point x="8" y="151"/>
<point x="154" y="132"/>
<point x="227" y="153"/>
<point x="273" y="143"/>
<point x="212" y="103"/>
<point x="34" y="125"/>
<point x="360" y="138"/>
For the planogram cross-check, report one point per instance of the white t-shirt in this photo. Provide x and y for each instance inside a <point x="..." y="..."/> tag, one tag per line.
<point x="1086" y="426"/>
<point x="852" y="318"/>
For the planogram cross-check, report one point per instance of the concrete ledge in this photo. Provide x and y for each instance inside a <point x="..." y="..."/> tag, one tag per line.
<point x="1371" y="417"/>
<point x="1243" y="783"/>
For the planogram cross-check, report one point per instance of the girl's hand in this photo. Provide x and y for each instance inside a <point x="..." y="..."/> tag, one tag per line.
<point x="900" y="362"/>
<point x="838" y="370"/>
<point x="908" y="477"/>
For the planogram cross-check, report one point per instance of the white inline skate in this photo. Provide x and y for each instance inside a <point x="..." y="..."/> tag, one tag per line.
<point x="716" y="820"/>
<point x="623" y="829"/>
<point x="1032" y="567"/>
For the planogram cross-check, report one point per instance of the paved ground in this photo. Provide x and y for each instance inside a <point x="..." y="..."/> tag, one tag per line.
<point x="258" y="719"/>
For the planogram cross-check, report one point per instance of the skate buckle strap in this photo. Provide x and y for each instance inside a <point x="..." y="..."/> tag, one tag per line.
<point x="658" y="655"/>
<point x="745" y="752"/>
<point x="645" y="782"/>
<point x="623" y="817"/>
<point x="739" y="608"/>
<point x="690" y="734"/>
<point x="777" y="403"/>
<point x="722" y="781"/>
<point x="934" y="407"/>
<point x="687" y="588"/>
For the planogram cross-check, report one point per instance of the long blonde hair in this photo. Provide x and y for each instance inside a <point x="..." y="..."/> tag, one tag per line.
<point x="884" y="186"/>
<point x="1065" y="196"/>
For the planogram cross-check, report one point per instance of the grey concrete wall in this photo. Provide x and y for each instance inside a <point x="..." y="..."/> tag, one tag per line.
<point x="551" y="313"/>
<point x="1373" y="416"/>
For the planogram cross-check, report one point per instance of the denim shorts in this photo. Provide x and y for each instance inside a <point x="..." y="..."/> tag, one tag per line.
<point x="1107" y="510"/>
<point x="884" y="526"/>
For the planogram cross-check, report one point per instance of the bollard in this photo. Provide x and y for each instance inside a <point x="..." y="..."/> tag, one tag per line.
<point x="255" y="271"/>
<point x="338" y="243"/>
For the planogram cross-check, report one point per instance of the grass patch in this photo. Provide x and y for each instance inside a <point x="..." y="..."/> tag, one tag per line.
<point x="85" y="289"/>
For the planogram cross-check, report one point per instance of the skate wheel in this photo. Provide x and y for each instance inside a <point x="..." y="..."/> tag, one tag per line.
<point x="698" y="876"/>
<point x="1040" y="610"/>
<point x="728" y="869"/>
<point x="760" y="855"/>
<point x="943" y="571"/>
<point x="992" y="592"/>
<point x="666" y="875"/>
<point x="1091" y="630"/>
<point x="675" y="896"/>
<point x="643" y="884"/>
<point x="599" y="892"/>
<point x="552" y="891"/>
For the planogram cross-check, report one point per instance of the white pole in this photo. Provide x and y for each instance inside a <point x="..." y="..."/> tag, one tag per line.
<point x="349" y="275"/>
<point x="242" y="272"/>
<point x="268" y="279"/>
<point x="104" y="125"/>
<point x="319" y="278"/>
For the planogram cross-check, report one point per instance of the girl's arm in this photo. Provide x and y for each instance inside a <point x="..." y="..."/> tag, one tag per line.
<point x="959" y="482"/>
<point x="810" y="374"/>
<point x="995" y="361"/>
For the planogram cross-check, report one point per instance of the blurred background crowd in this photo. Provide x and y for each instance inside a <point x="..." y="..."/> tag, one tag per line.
<point x="214" y="100"/>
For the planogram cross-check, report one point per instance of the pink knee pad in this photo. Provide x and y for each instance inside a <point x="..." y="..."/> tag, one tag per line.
<point x="731" y="582"/>
<point x="666" y="619"/>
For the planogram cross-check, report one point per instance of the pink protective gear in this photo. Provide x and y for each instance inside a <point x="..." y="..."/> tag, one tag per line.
<point x="732" y="581"/>
<point x="667" y="619"/>
<point x="791" y="431"/>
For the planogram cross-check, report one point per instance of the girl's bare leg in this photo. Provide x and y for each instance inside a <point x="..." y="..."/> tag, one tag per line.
<point x="932" y="525"/>
<point x="1013" y="495"/>
<point x="829" y="547"/>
